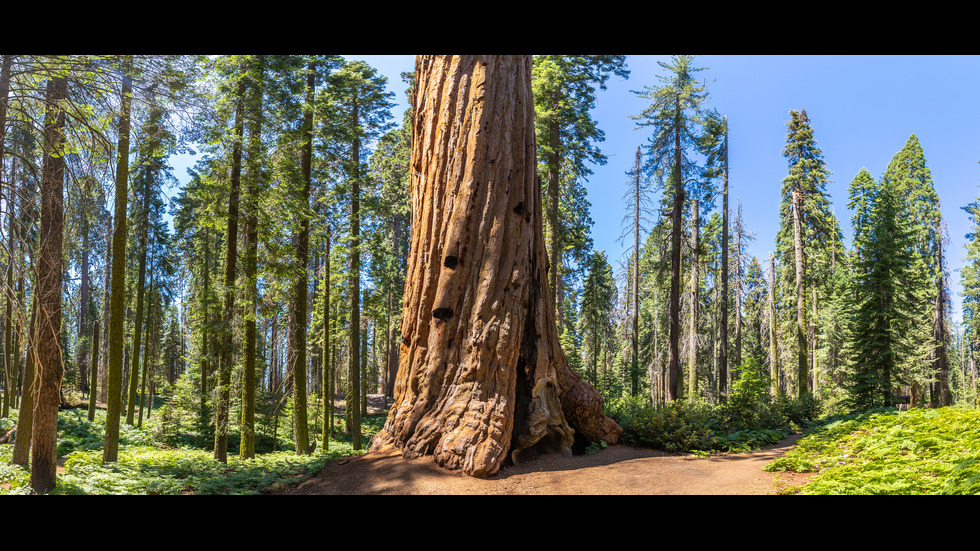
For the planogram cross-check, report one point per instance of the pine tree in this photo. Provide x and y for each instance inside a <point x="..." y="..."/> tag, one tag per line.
<point x="225" y="346"/>
<point x="909" y="173"/>
<point x="358" y="109"/>
<point x="886" y="290"/>
<point x="970" y="282"/>
<point x="564" y="88"/>
<point x="805" y="221"/>
<point x="638" y="202"/>
<point x="714" y="144"/>
<point x="595" y="316"/>
<point x="674" y="113"/>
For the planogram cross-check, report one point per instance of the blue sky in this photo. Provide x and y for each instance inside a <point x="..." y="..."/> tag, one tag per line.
<point x="862" y="109"/>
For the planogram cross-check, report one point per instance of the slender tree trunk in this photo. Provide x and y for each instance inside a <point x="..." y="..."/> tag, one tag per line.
<point x="94" y="370"/>
<point x="941" y="395"/>
<point x="554" y="198"/>
<point x="327" y="382"/>
<point x="802" y="377"/>
<point x="738" y="285"/>
<point x="773" y="351"/>
<point x="674" y="308"/>
<point x="695" y="303"/>
<point x="393" y="330"/>
<point x="481" y="375"/>
<point x="146" y="355"/>
<point x="692" y="369"/>
<point x="50" y="370"/>
<point x="813" y="341"/>
<point x="351" y="410"/>
<point x="205" y="330"/>
<point x="250" y="268"/>
<point x="117" y="299"/>
<point x="83" y="293"/>
<point x="364" y="366"/>
<point x="300" y="292"/>
<point x="225" y="350"/>
<point x="723" y="333"/>
<point x="635" y="361"/>
<point x="653" y="368"/>
<point x="11" y="189"/>
<point x="138" y="320"/>
<point x="274" y="353"/>
<point x="25" y="416"/>
<point x="106" y="297"/>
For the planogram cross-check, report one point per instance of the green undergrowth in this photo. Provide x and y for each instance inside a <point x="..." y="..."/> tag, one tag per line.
<point x="749" y="420"/>
<point x="146" y="466"/>
<point x="694" y="427"/>
<point x="883" y="451"/>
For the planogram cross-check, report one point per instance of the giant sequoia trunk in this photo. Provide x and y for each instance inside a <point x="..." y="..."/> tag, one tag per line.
<point x="481" y="375"/>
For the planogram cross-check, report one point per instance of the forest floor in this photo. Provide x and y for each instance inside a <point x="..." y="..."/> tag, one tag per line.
<point x="615" y="470"/>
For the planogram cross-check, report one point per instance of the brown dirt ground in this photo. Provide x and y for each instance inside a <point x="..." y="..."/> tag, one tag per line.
<point x="616" y="470"/>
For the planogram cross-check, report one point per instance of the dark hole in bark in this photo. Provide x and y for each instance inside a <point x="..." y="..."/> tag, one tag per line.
<point x="525" y="379"/>
<point x="450" y="262"/>
<point x="519" y="208"/>
<point x="442" y="313"/>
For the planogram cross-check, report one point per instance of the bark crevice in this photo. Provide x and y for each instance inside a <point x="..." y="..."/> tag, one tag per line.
<point x="484" y="379"/>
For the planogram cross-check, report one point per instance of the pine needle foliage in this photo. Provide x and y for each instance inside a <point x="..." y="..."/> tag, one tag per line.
<point x="886" y="286"/>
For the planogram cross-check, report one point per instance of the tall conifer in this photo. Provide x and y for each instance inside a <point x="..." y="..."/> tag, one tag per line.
<point x="888" y="274"/>
<point x="674" y="113"/>
<point x="805" y="221"/>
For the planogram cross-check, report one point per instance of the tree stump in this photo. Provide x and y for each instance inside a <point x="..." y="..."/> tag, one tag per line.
<point x="481" y="375"/>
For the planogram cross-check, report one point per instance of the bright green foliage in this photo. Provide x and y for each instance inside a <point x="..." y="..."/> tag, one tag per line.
<point x="910" y="176"/>
<point x="884" y="451"/>
<point x="755" y="336"/>
<point x="697" y="427"/>
<point x="806" y="241"/>
<point x="677" y="426"/>
<point x="908" y="173"/>
<point x="887" y="285"/>
<point x="835" y="327"/>
<point x="565" y="91"/>
<point x="675" y="115"/>
<point x="970" y="274"/>
<point x="356" y="107"/>
<point x="595" y="312"/>
<point x="861" y="198"/>
<point x="147" y="467"/>
<point x="564" y="88"/>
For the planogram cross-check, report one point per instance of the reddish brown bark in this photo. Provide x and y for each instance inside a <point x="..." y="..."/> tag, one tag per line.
<point x="481" y="375"/>
<point x="47" y="330"/>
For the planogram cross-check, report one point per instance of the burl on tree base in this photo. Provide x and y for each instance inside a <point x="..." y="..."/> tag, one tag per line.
<point x="481" y="375"/>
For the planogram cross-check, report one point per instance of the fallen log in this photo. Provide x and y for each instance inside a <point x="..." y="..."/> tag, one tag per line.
<point x="6" y="437"/>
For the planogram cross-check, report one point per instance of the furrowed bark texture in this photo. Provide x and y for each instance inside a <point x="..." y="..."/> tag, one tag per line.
<point x="481" y="375"/>
<point x="50" y="369"/>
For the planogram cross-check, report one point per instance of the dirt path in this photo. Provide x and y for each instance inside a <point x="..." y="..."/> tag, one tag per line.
<point x="616" y="470"/>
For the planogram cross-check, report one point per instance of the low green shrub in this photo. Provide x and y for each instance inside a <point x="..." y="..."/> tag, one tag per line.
<point x="748" y="420"/>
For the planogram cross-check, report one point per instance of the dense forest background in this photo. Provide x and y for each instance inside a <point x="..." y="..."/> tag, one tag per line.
<point x="271" y="284"/>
